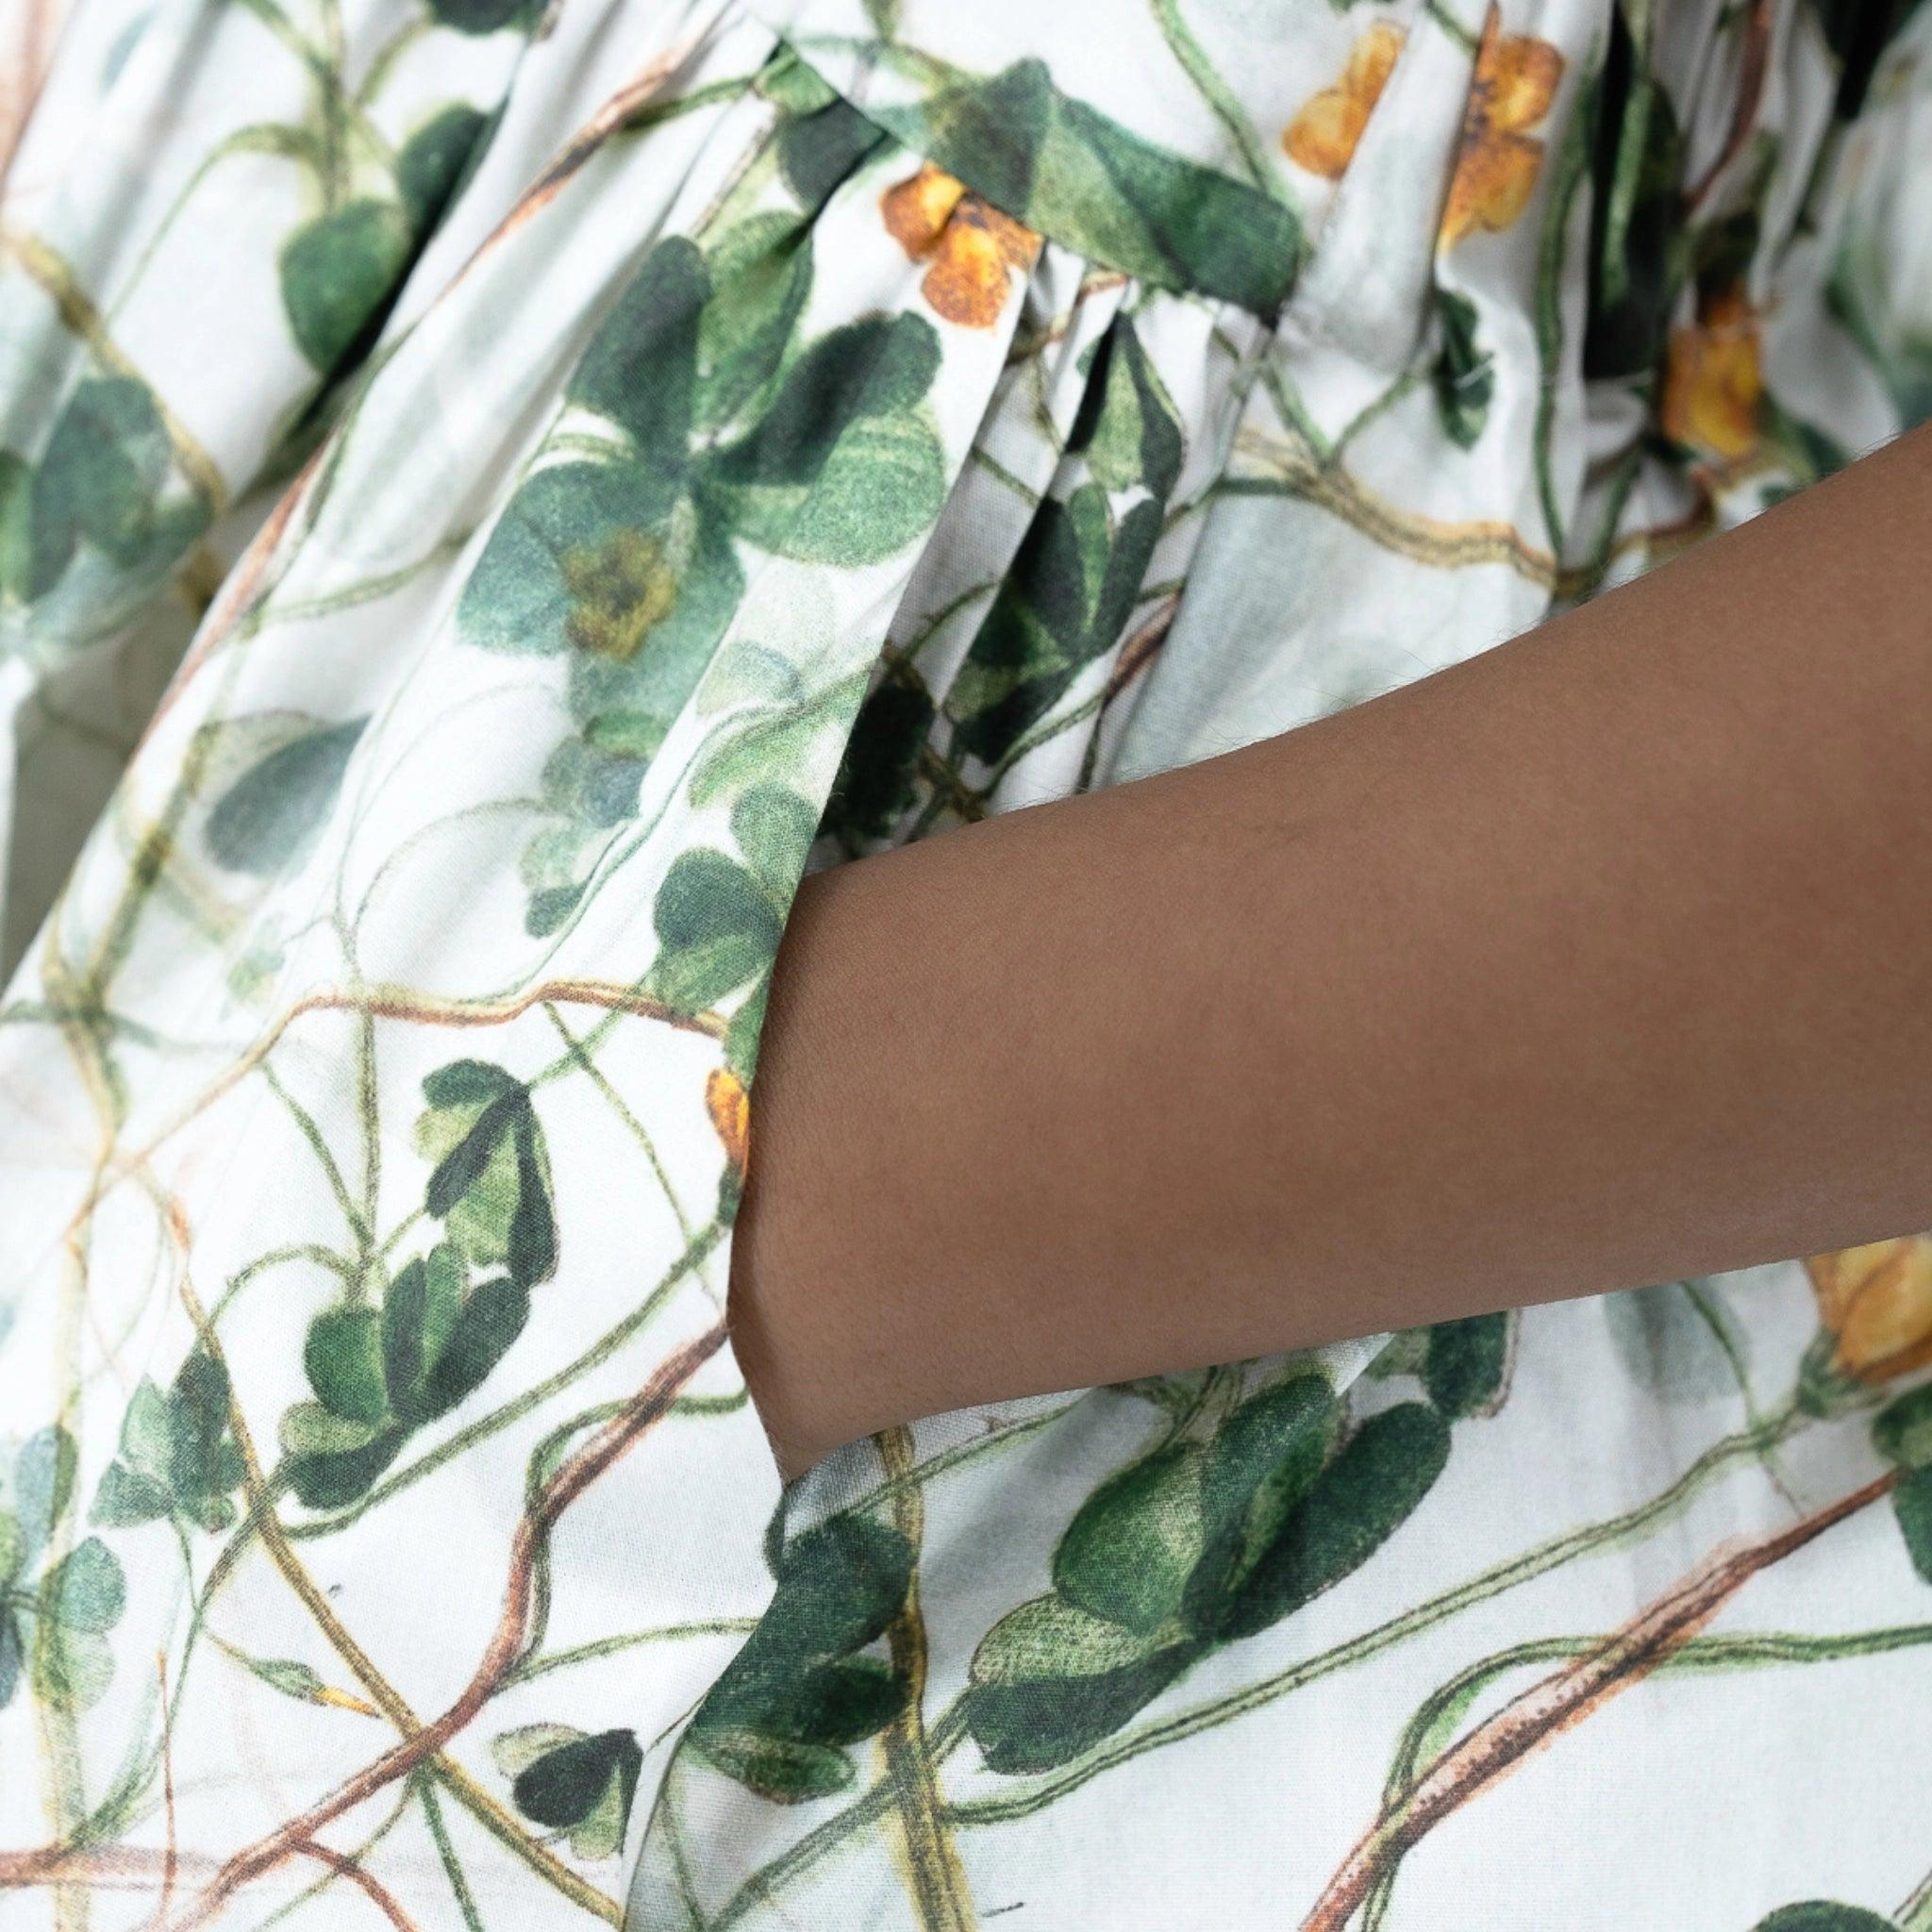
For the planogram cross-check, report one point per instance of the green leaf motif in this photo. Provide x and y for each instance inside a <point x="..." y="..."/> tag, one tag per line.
<point x="433" y="161"/>
<point x="879" y="366"/>
<point x="343" y="1358"/>
<point x="491" y="1185"/>
<point x="1464" y="374"/>
<point x="1062" y="167"/>
<point x="640" y="366"/>
<point x="338" y="272"/>
<point x="485" y="16"/>
<point x="819" y="149"/>
<point x="178" y="1457"/>
<point x="1367" y="1491"/>
<point x="762" y="270"/>
<point x="1824" y="1915"/>
<point x="780" y="1772"/>
<point x="1067" y="599"/>
<point x="565" y="1781"/>
<point x="1050" y="1680"/>
<point x="101" y="479"/>
<point x="44" y="1474"/>
<point x="797" y="1692"/>
<point x="1911" y="1504"/>
<point x="272" y="815"/>
<point x="80" y="1599"/>
<point x="1130" y="1551"/>
<point x="1902" y="1430"/>
<point x="878" y="489"/>
<point x="1639" y="239"/>
<point x="773" y="828"/>
<point x="1467" y="1368"/>
<point x="717" y="929"/>
<point x="582" y="558"/>
<point x="16" y="528"/>
<point x="1128" y="425"/>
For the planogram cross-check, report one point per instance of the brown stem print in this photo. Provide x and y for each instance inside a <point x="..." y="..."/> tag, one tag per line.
<point x="1564" y="1698"/>
<point x="570" y="1480"/>
<point x="36" y="28"/>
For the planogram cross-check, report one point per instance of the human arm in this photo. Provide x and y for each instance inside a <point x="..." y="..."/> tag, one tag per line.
<point x="1603" y="957"/>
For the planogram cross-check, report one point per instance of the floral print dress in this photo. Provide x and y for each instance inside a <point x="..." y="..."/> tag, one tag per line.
<point x="490" y="494"/>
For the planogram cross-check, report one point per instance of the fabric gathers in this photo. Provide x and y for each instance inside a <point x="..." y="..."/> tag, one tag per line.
<point x="490" y="496"/>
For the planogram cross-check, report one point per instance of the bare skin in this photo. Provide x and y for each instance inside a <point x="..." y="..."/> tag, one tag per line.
<point x="1600" y="959"/>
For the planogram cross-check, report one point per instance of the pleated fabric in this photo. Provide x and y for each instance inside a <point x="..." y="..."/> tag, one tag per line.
<point x="491" y="498"/>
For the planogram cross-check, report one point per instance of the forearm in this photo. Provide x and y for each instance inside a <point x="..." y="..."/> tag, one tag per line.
<point x="1600" y="959"/>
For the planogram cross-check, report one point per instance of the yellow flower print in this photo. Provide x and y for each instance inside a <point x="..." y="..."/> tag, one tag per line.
<point x="729" y="1108"/>
<point x="1496" y="158"/>
<point x="1323" y="137"/>
<point x="1714" y="380"/>
<point x="972" y="246"/>
<point x="1875" y="1302"/>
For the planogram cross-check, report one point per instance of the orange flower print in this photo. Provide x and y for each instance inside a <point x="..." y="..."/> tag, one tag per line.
<point x="729" y="1106"/>
<point x="1875" y="1302"/>
<point x="1496" y="160"/>
<point x="1714" y="380"/>
<point x="1323" y="137"/>
<point x="972" y="246"/>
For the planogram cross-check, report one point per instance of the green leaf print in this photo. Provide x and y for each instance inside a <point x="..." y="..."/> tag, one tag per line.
<point x="1824" y="1915"/>
<point x="641" y="367"/>
<point x="1128" y="424"/>
<point x="272" y="815"/>
<point x="1467" y="1367"/>
<point x="879" y="491"/>
<point x="338" y="272"/>
<point x="433" y="159"/>
<point x="799" y="1691"/>
<point x="568" y="1782"/>
<point x="1638" y="251"/>
<point x="1072" y="587"/>
<point x="1065" y="169"/>
<point x="343" y="1358"/>
<point x="1911" y="1504"/>
<point x="820" y="149"/>
<point x="762" y="270"/>
<point x="54" y="1631"/>
<point x="43" y="1474"/>
<point x="491" y="1186"/>
<point x="1193" y="1546"/>
<point x="332" y="1460"/>
<point x="875" y="367"/>
<point x="16" y="528"/>
<point x="1050" y="1680"/>
<point x="484" y="16"/>
<point x="717" y="928"/>
<point x="1263" y="1461"/>
<point x="1360" y="1499"/>
<point x="81" y="1600"/>
<point x="178" y="1457"/>
<point x="724" y="431"/>
<point x="1130" y="1551"/>
<point x="101" y="479"/>
<point x="773" y="828"/>
<point x="1464" y="374"/>
<point x="1902" y="1430"/>
<point x="582" y="557"/>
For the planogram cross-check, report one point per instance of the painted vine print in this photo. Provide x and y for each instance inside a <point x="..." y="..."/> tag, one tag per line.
<point x="490" y="496"/>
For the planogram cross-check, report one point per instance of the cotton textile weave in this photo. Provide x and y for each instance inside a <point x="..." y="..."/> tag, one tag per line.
<point x="490" y="496"/>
